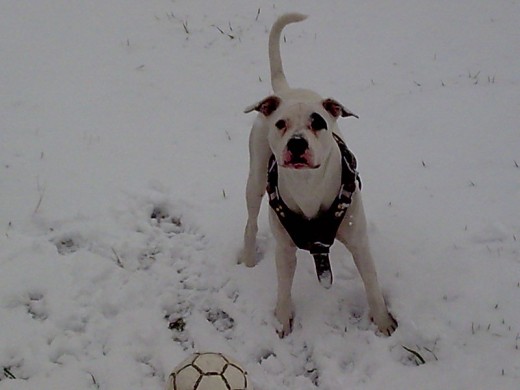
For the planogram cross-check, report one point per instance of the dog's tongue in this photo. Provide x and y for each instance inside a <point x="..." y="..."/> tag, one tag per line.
<point x="323" y="271"/>
<point x="296" y="163"/>
<point x="291" y="160"/>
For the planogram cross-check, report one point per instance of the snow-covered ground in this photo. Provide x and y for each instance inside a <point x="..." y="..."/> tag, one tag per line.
<point x="123" y="160"/>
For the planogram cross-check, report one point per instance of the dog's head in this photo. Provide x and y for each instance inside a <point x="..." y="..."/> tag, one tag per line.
<point x="300" y="133"/>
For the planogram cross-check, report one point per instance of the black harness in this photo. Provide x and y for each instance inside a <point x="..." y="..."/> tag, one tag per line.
<point x="317" y="234"/>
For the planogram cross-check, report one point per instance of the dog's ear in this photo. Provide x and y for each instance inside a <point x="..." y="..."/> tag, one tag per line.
<point x="337" y="109"/>
<point x="266" y="106"/>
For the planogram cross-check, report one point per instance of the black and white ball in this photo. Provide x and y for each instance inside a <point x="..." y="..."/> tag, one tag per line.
<point x="208" y="371"/>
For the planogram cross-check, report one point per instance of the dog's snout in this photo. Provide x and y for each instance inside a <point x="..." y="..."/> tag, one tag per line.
<point x="297" y="146"/>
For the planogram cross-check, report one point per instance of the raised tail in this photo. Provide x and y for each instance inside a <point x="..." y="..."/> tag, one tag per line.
<point x="278" y="80"/>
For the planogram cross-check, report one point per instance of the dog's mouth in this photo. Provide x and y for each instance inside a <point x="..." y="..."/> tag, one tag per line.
<point x="299" y="163"/>
<point x="298" y="160"/>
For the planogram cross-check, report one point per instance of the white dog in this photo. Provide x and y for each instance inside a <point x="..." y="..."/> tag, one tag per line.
<point x="296" y="150"/>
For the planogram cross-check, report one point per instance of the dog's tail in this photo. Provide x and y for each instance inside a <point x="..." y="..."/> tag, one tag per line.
<point x="278" y="80"/>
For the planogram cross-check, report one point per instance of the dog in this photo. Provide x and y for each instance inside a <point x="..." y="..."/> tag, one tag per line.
<point x="298" y="154"/>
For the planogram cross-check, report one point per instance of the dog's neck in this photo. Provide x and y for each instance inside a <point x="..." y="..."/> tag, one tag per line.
<point x="309" y="191"/>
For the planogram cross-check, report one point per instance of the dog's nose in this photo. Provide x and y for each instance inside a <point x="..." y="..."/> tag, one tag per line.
<point x="297" y="146"/>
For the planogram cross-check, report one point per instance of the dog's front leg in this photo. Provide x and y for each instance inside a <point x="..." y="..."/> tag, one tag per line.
<point x="285" y="257"/>
<point x="378" y="310"/>
<point x="285" y="267"/>
<point x="353" y="234"/>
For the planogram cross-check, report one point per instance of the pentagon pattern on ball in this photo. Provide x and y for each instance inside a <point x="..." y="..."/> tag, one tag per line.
<point x="208" y="371"/>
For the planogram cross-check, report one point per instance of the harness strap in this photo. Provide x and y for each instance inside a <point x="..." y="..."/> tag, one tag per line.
<point x="317" y="234"/>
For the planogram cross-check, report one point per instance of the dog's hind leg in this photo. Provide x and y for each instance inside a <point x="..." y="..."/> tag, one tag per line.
<point x="247" y="255"/>
<point x="259" y="153"/>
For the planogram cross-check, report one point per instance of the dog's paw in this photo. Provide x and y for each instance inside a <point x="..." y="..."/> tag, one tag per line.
<point x="247" y="257"/>
<point x="386" y="324"/>
<point x="285" y="328"/>
<point x="285" y="316"/>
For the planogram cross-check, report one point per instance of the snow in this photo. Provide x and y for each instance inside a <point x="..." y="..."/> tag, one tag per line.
<point x="123" y="160"/>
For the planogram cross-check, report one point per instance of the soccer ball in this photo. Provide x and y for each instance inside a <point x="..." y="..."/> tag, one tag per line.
<point x="208" y="371"/>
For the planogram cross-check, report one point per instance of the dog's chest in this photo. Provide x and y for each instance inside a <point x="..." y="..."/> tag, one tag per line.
<point x="308" y="198"/>
<point x="312" y="218"/>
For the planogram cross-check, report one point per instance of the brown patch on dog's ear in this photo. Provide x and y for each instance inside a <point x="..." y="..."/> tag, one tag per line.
<point x="337" y="109"/>
<point x="266" y="106"/>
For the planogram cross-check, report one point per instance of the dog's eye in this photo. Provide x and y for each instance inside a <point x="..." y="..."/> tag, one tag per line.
<point x="317" y="122"/>
<point x="280" y="125"/>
